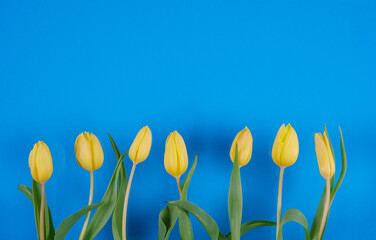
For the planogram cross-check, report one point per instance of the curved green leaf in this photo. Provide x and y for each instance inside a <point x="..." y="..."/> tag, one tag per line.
<point x="36" y="202"/>
<point x="67" y="224"/>
<point x="295" y="215"/>
<point x="207" y="222"/>
<point x="117" y="216"/>
<point x="319" y="212"/>
<point x="222" y="237"/>
<point x="103" y="212"/>
<point x="235" y="199"/>
<point x="187" y="180"/>
<point x="49" y="231"/>
<point x="167" y="220"/>
<point x="251" y="225"/>
<point x="343" y="170"/>
<point x="27" y="191"/>
<point x="185" y="225"/>
<point x="116" y="150"/>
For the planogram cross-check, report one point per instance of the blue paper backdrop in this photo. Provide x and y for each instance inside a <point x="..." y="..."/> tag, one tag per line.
<point x="206" y="69"/>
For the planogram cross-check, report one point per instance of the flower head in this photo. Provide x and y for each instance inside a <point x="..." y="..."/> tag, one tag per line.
<point x="244" y="141"/>
<point x="89" y="152"/>
<point x="286" y="146"/>
<point x="40" y="162"/>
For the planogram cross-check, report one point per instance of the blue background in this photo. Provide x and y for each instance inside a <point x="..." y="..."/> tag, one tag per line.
<point x="206" y="69"/>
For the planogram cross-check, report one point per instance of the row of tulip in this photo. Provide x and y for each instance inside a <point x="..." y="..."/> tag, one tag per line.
<point x="284" y="154"/>
<point x="89" y="156"/>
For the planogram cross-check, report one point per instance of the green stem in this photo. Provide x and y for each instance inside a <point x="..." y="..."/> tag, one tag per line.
<point x="326" y="208"/>
<point x="124" y="223"/>
<point x="41" y="216"/>
<point x="90" y="202"/>
<point x="279" y="203"/>
<point x="179" y="185"/>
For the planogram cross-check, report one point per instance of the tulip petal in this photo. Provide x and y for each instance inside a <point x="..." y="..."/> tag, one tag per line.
<point x="322" y="156"/>
<point x="83" y="151"/>
<point x="233" y="146"/>
<point x="43" y="162"/>
<point x="181" y="152"/>
<point x="96" y="152"/>
<point x="330" y="154"/>
<point x="278" y="146"/>
<point x="141" y="145"/>
<point x="32" y="163"/>
<point x="290" y="150"/>
<point x="144" y="147"/>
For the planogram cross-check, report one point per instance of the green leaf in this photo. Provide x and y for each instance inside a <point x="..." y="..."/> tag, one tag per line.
<point x="185" y="225"/>
<point x="315" y="228"/>
<point x="222" y="237"/>
<point x="49" y="228"/>
<point x="49" y="231"/>
<point x="103" y="212"/>
<point x="162" y="229"/>
<point x="167" y="220"/>
<point x="207" y="222"/>
<point x="235" y="199"/>
<point x="27" y="191"/>
<point x="318" y="216"/>
<point x="117" y="217"/>
<point x="251" y="225"/>
<point x="343" y="170"/>
<point x="295" y="215"/>
<point x="187" y="180"/>
<point x="68" y="223"/>
<point x="116" y="150"/>
<point x="36" y="202"/>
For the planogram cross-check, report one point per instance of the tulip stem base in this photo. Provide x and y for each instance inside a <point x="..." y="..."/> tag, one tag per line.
<point x="326" y="208"/>
<point x="179" y="184"/>
<point x="279" y="203"/>
<point x="41" y="216"/>
<point x="124" y="223"/>
<point x="90" y="202"/>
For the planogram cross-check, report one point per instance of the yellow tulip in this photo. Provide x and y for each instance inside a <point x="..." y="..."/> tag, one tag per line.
<point x="244" y="141"/>
<point x="89" y="152"/>
<point x="176" y="157"/>
<point x="286" y="146"/>
<point x="324" y="155"/>
<point x="40" y="162"/>
<point x="141" y="145"/>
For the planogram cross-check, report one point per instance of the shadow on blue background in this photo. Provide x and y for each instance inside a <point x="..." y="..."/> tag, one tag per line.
<point x="205" y="69"/>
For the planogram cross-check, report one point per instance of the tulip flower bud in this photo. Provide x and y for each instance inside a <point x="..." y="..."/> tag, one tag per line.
<point x="286" y="146"/>
<point x="324" y="155"/>
<point x="176" y="157"/>
<point x="40" y="162"/>
<point x="141" y="145"/>
<point x="244" y="141"/>
<point x="89" y="152"/>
